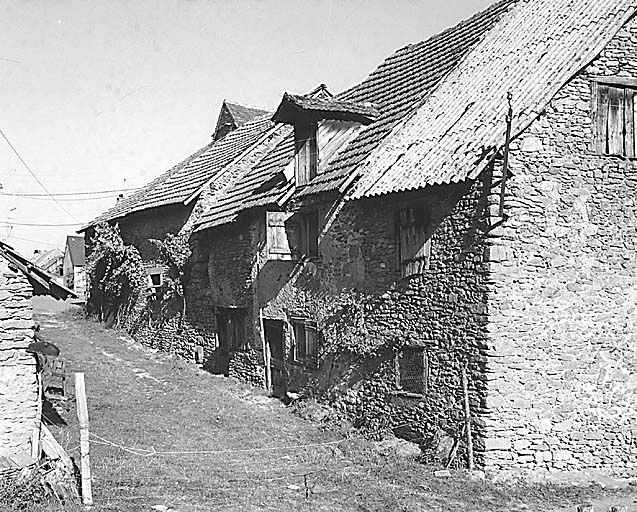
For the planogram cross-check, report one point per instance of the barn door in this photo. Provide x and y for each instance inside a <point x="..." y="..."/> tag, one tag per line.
<point x="274" y="339"/>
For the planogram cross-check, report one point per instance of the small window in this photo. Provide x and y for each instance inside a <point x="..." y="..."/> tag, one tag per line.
<point x="614" y="119"/>
<point x="413" y="245"/>
<point x="155" y="277"/>
<point x="412" y="370"/>
<point x="309" y="235"/>
<point x="305" y="349"/>
<point x="306" y="152"/>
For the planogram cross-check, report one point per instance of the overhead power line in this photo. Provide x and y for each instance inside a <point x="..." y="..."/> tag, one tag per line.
<point x="64" y="194"/>
<point x="35" y="177"/>
<point x="13" y="237"/>
<point x="63" y="199"/>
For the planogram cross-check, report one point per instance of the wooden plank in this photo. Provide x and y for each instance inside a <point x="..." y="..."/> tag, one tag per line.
<point x="278" y="243"/>
<point x="615" y="121"/>
<point x="601" y="130"/>
<point x="629" y="123"/>
<point x="596" y="142"/>
<point x="82" y="416"/>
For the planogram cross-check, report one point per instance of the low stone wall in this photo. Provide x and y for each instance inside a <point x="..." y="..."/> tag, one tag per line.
<point x="18" y="383"/>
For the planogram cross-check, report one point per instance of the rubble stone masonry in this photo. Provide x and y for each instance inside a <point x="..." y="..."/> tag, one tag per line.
<point x="18" y="384"/>
<point x="562" y="370"/>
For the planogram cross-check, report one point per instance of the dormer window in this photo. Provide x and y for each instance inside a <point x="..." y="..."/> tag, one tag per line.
<point x="305" y="152"/>
<point x="306" y="112"/>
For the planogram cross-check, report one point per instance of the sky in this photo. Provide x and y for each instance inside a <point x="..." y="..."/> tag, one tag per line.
<point x="106" y="95"/>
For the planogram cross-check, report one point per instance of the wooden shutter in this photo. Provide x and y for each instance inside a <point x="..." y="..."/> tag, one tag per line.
<point x="311" y="352"/>
<point x="414" y="247"/>
<point x="300" y="343"/>
<point x="310" y="235"/>
<point x="278" y="243"/>
<point x="615" y="121"/>
<point x="629" y="123"/>
<point x="600" y="117"/>
<point x="306" y="152"/>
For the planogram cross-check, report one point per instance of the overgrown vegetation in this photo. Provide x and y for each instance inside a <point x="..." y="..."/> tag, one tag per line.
<point x="174" y="253"/>
<point x="113" y="270"/>
<point x="27" y="491"/>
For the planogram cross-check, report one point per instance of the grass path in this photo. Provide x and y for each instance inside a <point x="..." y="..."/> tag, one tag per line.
<point x="147" y="401"/>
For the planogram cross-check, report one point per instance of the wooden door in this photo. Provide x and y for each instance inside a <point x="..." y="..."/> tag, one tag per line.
<point x="274" y="339"/>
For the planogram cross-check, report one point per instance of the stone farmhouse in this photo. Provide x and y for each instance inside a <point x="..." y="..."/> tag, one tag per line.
<point x="20" y="392"/>
<point x="468" y="209"/>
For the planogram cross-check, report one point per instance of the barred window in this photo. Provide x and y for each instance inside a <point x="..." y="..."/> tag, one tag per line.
<point x="412" y="370"/>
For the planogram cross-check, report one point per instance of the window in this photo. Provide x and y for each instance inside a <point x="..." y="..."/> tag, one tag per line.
<point x="614" y="119"/>
<point x="231" y="329"/>
<point x="305" y="349"/>
<point x="412" y="370"/>
<point x="413" y="245"/>
<point x="306" y="152"/>
<point x="155" y="277"/>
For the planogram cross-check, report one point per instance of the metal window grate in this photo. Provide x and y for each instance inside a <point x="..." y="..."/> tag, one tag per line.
<point x="412" y="370"/>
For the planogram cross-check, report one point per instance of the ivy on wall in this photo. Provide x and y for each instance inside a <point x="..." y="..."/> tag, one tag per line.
<point x="114" y="273"/>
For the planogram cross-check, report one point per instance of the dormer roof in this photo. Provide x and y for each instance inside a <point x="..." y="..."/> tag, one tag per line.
<point x="294" y="108"/>
<point x="233" y="115"/>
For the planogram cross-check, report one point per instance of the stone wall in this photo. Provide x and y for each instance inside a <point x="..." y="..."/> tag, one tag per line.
<point x="443" y="310"/>
<point x="563" y="306"/>
<point x="18" y="384"/>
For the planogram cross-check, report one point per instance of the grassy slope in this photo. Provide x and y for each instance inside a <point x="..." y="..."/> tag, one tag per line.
<point x="144" y="400"/>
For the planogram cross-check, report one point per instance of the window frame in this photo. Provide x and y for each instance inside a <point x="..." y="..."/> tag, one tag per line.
<point x="420" y="352"/>
<point x="309" y="358"/>
<point x="605" y="141"/>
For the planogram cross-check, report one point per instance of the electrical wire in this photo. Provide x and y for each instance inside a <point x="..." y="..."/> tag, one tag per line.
<point x="66" y="199"/>
<point x="34" y="175"/>
<point x="62" y="194"/>
<point x="29" y="240"/>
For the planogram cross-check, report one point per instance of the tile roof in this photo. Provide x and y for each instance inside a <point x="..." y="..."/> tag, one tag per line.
<point x="75" y="246"/>
<point x="395" y="88"/>
<point x="271" y="180"/>
<point x="294" y="106"/>
<point x="262" y="183"/>
<point x="233" y="115"/>
<point x="184" y="180"/>
<point x="243" y="114"/>
<point x="538" y="46"/>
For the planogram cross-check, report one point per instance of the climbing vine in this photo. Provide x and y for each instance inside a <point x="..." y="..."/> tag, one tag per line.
<point x="114" y="271"/>
<point x="174" y="253"/>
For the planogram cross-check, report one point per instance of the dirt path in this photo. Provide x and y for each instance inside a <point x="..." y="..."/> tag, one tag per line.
<point x="172" y="437"/>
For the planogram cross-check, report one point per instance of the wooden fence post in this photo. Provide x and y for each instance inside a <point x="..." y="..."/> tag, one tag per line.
<point x="82" y="416"/>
